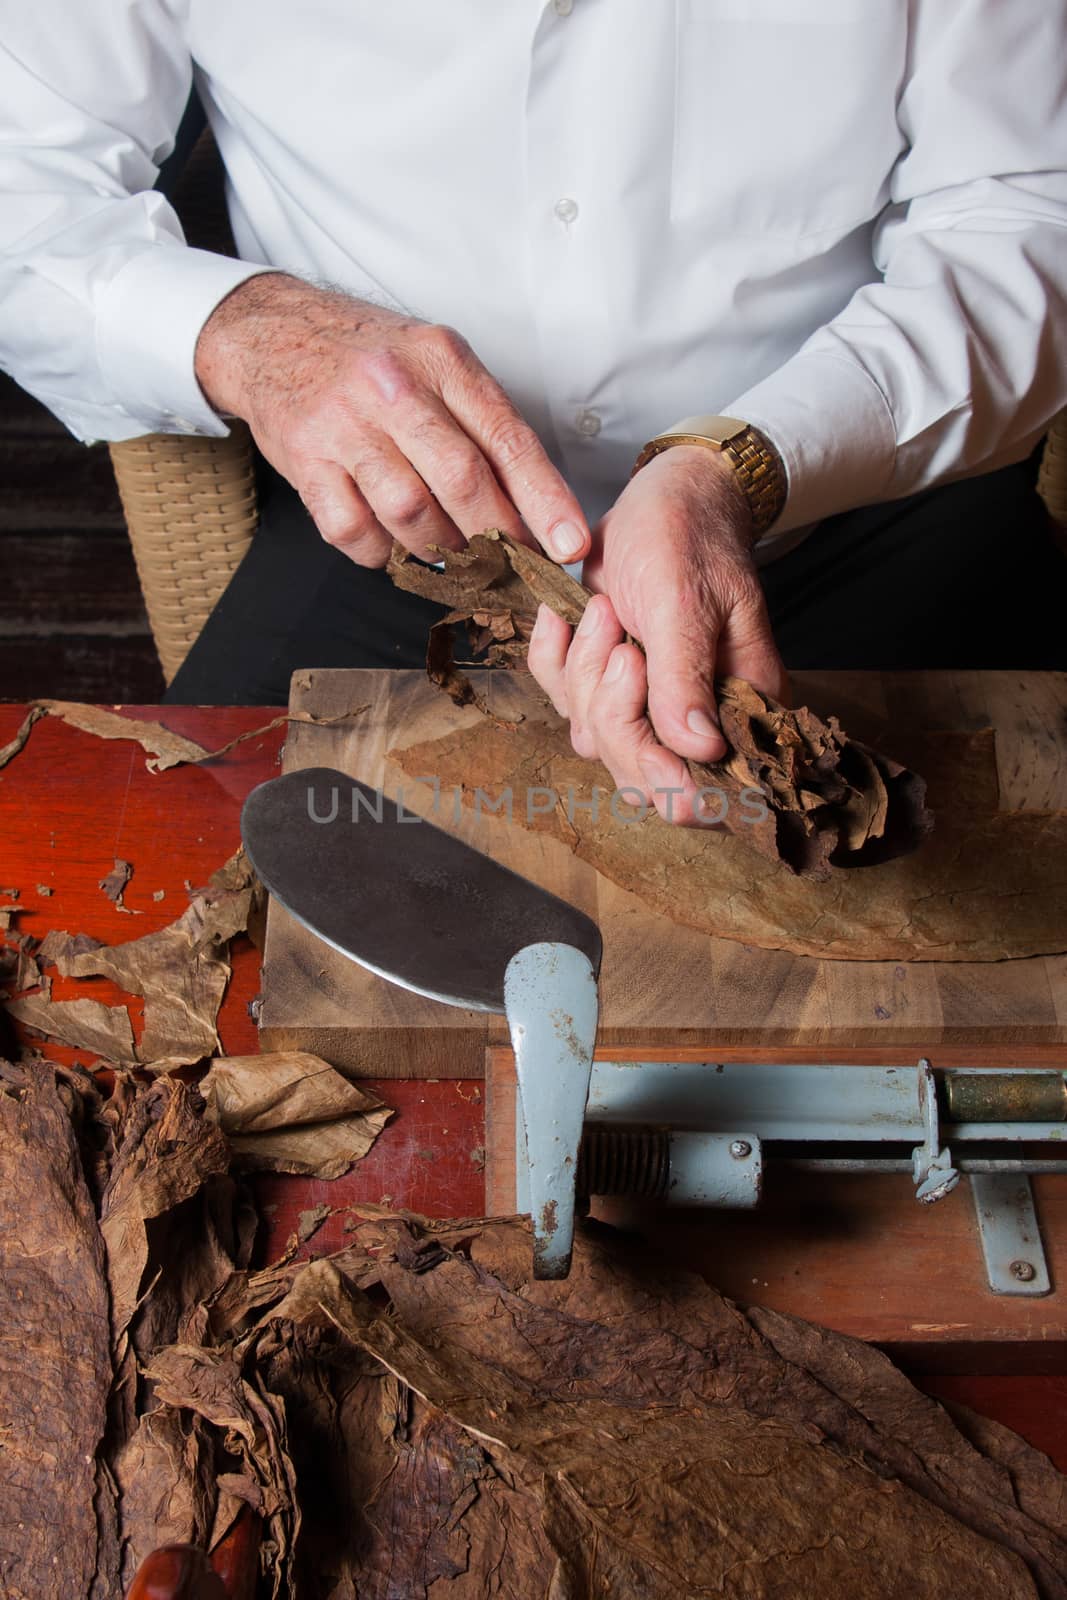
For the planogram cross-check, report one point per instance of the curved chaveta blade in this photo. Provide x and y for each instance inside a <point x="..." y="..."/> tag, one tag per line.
<point x="399" y="895"/>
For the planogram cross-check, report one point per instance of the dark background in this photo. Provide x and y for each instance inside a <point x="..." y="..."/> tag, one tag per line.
<point x="72" y="622"/>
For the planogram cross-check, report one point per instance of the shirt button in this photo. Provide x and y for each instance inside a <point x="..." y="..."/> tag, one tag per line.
<point x="588" y="422"/>
<point x="563" y="8"/>
<point x="566" y="209"/>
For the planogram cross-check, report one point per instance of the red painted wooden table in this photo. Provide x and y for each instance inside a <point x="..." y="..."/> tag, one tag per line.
<point x="71" y="803"/>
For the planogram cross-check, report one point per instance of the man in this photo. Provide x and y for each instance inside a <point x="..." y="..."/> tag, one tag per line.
<point x="555" y="230"/>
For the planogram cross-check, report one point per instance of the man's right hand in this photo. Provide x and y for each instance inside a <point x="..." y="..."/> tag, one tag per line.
<point x="388" y="427"/>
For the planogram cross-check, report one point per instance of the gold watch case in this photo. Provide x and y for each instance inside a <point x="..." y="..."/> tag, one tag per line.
<point x="755" y="461"/>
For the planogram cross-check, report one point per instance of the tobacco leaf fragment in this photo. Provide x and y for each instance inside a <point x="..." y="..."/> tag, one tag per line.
<point x="181" y="970"/>
<point x="82" y="1024"/>
<point x="987" y="886"/>
<point x="165" y="1151"/>
<point x="289" y="1111"/>
<point x="13" y="746"/>
<point x="114" y="885"/>
<point x="310" y="1221"/>
<point x="625" y="1432"/>
<point x="59" y="1518"/>
<point x="163" y="748"/>
<point x="416" y="1416"/>
<point x="823" y="802"/>
<point x="19" y="967"/>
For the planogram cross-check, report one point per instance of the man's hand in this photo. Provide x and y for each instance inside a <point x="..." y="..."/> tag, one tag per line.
<point x="672" y="559"/>
<point x="388" y="427"/>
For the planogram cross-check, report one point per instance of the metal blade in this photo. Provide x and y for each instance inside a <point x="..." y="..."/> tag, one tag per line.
<point x="399" y="895"/>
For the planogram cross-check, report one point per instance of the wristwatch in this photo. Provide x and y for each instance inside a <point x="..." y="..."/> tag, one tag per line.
<point x="756" y="463"/>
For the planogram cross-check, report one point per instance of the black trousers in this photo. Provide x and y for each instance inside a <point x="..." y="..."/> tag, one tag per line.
<point x="966" y="575"/>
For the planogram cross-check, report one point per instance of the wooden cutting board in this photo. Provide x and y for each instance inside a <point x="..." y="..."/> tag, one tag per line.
<point x="664" y="986"/>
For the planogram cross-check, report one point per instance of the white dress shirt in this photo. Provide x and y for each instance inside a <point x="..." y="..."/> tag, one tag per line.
<point x="842" y="220"/>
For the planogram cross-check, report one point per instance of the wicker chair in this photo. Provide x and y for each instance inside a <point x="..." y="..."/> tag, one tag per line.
<point x="190" y="502"/>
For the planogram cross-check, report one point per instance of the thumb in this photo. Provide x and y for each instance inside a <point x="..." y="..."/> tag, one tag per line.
<point x="681" y="652"/>
<point x="747" y="650"/>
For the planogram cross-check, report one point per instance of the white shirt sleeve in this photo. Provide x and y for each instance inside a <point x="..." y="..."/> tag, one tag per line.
<point x="956" y="360"/>
<point x="87" y="251"/>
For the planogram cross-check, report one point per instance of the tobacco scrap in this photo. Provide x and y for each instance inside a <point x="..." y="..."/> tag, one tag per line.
<point x="13" y="746"/>
<point x="165" y="1154"/>
<point x="114" y="885"/>
<point x="824" y="800"/>
<point x="60" y="1529"/>
<point x="989" y="885"/>
<point x="84" y="1024"/>
<point x="19" y="966"/>
<point x="310" y="1221"/>
<point x="181" y="970"/>
<point x="163" y="748"/>
<point x="289" y="1111"/>
<point x="494" y="586"/>
<point x="416" y="1416"/>
<point x="118" y="1222"/>
<point x="626" y="1432"/>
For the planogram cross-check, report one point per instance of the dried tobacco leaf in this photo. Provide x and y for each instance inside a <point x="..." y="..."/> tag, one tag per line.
<point x="310" y="1221"/>
<point x="13" y="746"/>
<point x="481" y="588"/>
<point x="20" y="968"/>
<point x="165" y="1151"/>
<point x="60" y="1534"/>
<point x="988" y="885"/>
<point x="114" y="885"/>
<point x="822" y="800"/>
<point x="164" y="748"/>
<point x="181" y="970"/>
<point x="83" y="1024"/>
<point x="627" y="1431"/>
<point x="288" y="1111"/>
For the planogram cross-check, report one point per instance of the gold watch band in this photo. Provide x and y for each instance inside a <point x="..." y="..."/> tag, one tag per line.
<point x="755" y="461"/>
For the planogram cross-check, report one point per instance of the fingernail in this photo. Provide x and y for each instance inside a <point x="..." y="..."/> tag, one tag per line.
<point x="566" y="541"/>
<point x="616" y="666"/>
<point x="699" y="722"/>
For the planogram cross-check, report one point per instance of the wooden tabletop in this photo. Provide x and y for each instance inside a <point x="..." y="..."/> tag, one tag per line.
<point x="71" y="803"/>
<point x="663" y="985"/>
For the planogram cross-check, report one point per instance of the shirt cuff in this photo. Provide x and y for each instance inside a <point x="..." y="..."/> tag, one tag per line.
<point x="148" y="321"/>
<point x="834" y="431"/>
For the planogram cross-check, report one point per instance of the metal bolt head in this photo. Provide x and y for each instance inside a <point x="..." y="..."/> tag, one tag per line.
<point x="1023" y="1270"/>
<point x="740" y="1148"/>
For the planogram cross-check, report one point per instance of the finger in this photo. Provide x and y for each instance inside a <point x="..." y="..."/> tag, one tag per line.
<point x="747" y="650"/>
<point x="401" y="500"/>
<point x="517" y="456"/>
<point x="343" y="517"/>
<point x="617" y="711"/>
<point x="546" y="656"/>
<point x="670" y="786"/>
<point x="455" y="469"/>
<point x="628" y="747"/>
<point x="680" y="641"/>
<point x="594" y="639"/>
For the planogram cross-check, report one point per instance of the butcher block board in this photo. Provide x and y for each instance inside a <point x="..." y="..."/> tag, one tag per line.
<point x="665" y="987"/>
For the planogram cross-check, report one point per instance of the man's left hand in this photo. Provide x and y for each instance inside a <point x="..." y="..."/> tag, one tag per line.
<point x="673" y="568"/>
